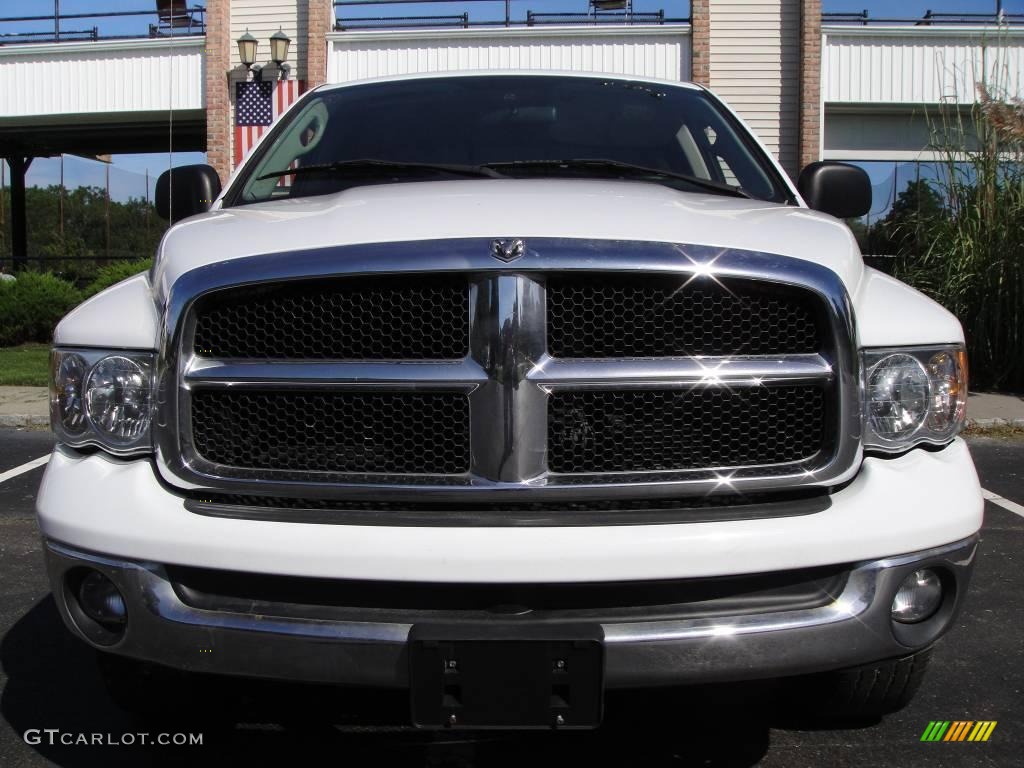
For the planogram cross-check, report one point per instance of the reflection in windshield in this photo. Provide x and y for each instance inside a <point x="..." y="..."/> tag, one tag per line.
<point x="905" y="195"/>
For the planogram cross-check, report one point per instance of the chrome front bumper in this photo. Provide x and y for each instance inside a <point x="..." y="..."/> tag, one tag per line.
<point x="855" y="628"/>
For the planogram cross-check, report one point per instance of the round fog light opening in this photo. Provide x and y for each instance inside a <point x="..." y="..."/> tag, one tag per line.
<point x="918" y="597"/>
<point x="101" y="600"/>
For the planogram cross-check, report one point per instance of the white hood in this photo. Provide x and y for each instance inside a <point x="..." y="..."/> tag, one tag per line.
<point x="888" y="312"/>
<point x="556" y="208"/>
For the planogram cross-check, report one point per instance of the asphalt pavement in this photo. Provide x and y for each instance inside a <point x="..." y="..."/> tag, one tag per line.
<point x="49" y="681"/>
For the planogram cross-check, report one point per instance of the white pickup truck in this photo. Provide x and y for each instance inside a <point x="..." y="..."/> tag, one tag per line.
<point x="509" y="389"/>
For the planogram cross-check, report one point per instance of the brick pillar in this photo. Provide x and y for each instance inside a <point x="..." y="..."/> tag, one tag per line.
<point x="218" y="107"/>
<point x="321" y="21"/>
<point x="810" y="82"/>
<point x="700" y="20"/>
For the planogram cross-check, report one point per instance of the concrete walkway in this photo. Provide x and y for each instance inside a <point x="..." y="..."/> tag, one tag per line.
<point x="28" y="406"/>
<point x="24" y="406"/>
<point x="987" y="409"/>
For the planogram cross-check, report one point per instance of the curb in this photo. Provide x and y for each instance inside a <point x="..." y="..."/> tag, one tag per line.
<point x="24" y="420"/>
<point x="997" y="423"/>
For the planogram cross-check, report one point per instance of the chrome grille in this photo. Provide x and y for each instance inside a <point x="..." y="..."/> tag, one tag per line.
<point x="544" y="414"/>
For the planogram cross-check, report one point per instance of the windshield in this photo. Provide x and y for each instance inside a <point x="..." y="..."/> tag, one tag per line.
<point x="516" y="126"/>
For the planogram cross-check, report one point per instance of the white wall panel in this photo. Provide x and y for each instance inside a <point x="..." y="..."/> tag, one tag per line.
<point x="648" y="51"/>
<point x="918" y="65"/>
<point x="755" y="67"/>
<point x="102" y="77"/>
<point x="262" y="18"/>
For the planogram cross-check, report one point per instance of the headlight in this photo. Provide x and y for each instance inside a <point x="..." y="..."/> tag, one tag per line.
<point x="67" y="393"/>
<point x="914" y="395"/>
<point x="102" y="398"/>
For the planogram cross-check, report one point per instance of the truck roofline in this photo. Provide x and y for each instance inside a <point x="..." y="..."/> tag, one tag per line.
<point x="512" y="73"/>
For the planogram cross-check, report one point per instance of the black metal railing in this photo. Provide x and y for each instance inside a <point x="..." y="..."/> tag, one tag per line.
<point x="652" y="17"/>
<point x="402" y="22"/>
<point x="600" y="12"/>
<point x="596" y="14"/>
<point x="929" y="18"/>
<point x="6" y="38"/>
<point x="170" y="20"/>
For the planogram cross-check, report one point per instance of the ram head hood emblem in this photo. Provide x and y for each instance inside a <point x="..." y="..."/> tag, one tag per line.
<point x="507" y="250"/>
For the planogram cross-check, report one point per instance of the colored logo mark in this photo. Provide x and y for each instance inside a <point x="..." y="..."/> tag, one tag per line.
<point x="958" y="730"/>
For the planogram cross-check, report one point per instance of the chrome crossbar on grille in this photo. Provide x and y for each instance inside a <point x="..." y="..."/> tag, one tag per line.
<point x="513" y="384"/>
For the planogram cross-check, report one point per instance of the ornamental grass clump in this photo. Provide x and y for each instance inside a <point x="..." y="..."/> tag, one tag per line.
<point x="969" y="255"/>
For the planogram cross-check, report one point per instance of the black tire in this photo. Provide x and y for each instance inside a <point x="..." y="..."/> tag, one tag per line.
<point x="149" y="691"/>
<point x="867" y="692"/>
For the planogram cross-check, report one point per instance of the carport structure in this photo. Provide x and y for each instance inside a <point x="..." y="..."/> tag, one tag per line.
<point x="90" y="97"/>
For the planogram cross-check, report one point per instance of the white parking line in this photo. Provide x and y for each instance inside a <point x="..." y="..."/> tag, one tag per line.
<point x="995" y="498"/>
<point x="10" y="474"/>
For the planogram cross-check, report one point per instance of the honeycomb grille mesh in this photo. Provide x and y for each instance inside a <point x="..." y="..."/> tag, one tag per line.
<point x="343" y="432"/>
<point x="404" y="318"/>
<point x="665" y="316"/>
<point x="655" y="430"/>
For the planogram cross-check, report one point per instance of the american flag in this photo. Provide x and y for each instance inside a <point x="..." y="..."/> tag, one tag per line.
<point x="257" y="106"/>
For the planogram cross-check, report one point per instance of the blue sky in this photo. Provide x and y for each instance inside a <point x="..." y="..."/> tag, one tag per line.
<point x="477" y="10"/>
<point x="127" y="173"/>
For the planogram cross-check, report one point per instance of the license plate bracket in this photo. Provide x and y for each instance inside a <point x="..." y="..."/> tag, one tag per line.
<point x="503" y="677"/>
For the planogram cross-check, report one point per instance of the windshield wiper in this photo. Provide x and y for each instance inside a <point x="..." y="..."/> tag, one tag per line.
<point x="598" y="164"/>
<point x="374" y="167"/>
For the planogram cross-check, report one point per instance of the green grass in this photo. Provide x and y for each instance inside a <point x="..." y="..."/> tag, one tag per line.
<point x="26" y="365"/>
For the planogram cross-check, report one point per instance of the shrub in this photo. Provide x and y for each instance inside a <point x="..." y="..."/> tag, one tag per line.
<point x="32" y="305"/>
<point x="78" y="272"/>
<point x="115" y="273"/>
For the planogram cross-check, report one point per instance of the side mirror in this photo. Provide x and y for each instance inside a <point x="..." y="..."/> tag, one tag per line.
<point x="194" y="189"/>
<point x="839" y="189"/>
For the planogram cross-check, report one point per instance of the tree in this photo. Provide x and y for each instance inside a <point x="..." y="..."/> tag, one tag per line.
<point x="74" y="244"/>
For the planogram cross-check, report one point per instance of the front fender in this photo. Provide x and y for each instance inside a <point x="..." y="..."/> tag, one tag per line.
<point x="124" y="316"/>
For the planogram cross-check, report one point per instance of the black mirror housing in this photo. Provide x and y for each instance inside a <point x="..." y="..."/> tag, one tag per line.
<point x="839" y="189"/>
<point x="194" y="190"/>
